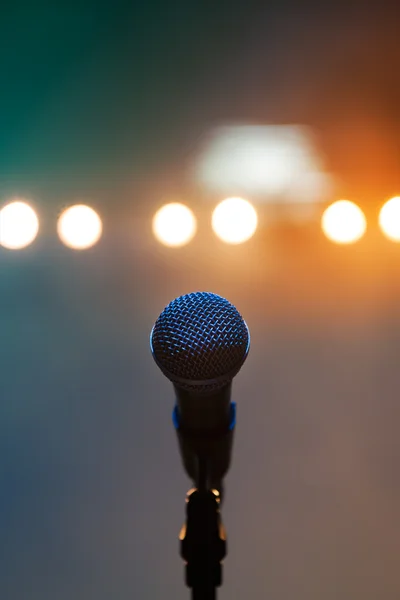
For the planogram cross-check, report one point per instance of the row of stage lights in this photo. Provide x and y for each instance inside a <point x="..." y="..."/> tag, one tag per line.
<point x="234" y="221"/>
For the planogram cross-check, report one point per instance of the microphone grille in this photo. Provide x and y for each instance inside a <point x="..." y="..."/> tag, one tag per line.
<point x="200" y="341"/>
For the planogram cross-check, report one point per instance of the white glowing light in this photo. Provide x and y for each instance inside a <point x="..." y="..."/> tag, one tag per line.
<point x="79" y="227"/>
<point x="389" y="219"/>
<point x="275" y="163"/>
<point x="19" y="225"/>
<point x="234" y="220"/>
<point x="174" y="224"/>
<point x="343" y="222"/>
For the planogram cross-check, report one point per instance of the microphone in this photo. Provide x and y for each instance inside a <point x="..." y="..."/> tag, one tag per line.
<point x="200" y="342"/>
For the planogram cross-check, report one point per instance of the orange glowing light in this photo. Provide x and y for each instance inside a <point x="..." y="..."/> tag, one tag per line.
<point x="343" y="222"/>
<point x="389" y="219"/>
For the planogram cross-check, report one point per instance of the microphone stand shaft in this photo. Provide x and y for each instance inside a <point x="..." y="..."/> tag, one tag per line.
<point x="203" y="540"/>
<point x="204" y="593"/>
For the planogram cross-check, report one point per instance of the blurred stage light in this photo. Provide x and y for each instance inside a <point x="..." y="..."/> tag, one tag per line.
<point x="19" y="225"/>
<point x="174" y="225"/>
<point x="234" y="220"/>
<point x="79" y="227"/>
<point x="343" y="222"/>
<point x="389" y="219"/>
<point x="273" y="163"/>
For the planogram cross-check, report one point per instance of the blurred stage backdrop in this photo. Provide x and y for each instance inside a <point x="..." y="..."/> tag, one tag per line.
<point x="126" y="111"/>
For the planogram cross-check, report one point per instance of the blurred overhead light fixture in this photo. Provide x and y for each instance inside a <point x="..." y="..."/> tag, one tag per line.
<point x="272" y="163"/>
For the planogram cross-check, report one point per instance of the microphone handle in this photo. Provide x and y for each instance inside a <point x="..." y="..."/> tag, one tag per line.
<point x="204" y="411"/>
<point x="210" y="446"/>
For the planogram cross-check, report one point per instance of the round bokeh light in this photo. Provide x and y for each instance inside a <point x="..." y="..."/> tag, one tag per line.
<point x="389" y="219"/>
<point x="79" y="227"/>
<point x="174" y="225"/>
<point x="343" y="222"/>
<point x="19" y="225"/>
<point x="234" y="220"/>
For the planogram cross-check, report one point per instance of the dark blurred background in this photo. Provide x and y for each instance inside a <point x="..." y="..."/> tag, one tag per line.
<point x="110" y="103"/>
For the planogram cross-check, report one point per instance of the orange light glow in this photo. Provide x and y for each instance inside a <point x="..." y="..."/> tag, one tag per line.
<point x="389" y="219"/>
<point x="343" y="222"/>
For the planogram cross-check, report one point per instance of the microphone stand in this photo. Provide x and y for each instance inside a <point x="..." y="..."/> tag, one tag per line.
<point x="203" y="538"/>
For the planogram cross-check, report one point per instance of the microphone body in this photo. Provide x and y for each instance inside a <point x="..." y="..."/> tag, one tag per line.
<point x="200" y="342"/>
<point x="205" y="427"/>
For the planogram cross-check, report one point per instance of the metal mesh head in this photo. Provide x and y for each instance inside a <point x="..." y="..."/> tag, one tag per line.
<point x="200" y="341"/>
